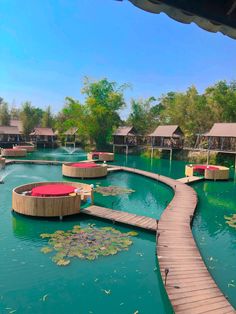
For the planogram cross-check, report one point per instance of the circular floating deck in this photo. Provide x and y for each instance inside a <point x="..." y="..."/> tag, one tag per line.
<point x="103" y="156"/>
<point x="29" y="148"/>
<point x="210" y="172"/>
<point x="84" y="170"/>
<point x="13" y="152"/>
<point x="50" y="199"/>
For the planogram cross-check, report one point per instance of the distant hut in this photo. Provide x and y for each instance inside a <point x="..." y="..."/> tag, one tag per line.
<point x="9" y="135"/>
<point x="167" y="136"/>
<point x="125" y="136"/>
<point x="71" y="136"/>
<point x="222" y="137"/>
<point x="43" y="137"/>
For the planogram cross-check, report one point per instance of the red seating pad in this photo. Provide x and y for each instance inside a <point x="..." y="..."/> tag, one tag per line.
<point x="53" y="190"/>
<point x="204" y="167"/>
<point x="84" y="165"/>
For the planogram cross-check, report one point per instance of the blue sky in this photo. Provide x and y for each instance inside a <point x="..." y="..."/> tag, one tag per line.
<point x="48" y="46"/>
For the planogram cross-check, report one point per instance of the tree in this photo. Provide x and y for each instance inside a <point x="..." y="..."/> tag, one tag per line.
<point x="221" y="99"/>
<point x="4" y="113"/>
<point x="143" y="116"/>
<point x="103" y="101"/>
<point x="15" y="113"/>
<point x="30" y="117"/>
<point x="47" y="118"/>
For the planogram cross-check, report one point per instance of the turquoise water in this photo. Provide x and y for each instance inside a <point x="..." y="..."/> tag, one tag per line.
<point x="216" y="240"/>
<point x="32" y="283"/>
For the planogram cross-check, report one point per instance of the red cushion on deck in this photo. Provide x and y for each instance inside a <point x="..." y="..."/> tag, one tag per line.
<point x="204" y="167"/>
<point x="53" y="190"/>
<point x="84" y="165"/>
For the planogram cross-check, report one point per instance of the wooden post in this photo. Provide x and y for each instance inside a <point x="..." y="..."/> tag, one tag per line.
<point x="208" y="156"/>
<point x="127" y="150"/>
<point x="113" y="148"/>
<point x="152" y="152"/>
<point x="171" y="152"/>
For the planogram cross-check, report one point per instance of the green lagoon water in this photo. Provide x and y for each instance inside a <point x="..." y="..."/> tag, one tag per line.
<point x="32" y="283"/>
<point x="215" y="239"/>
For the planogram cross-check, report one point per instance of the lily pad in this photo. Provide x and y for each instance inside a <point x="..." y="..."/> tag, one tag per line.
<point x="231" y="220"/>
<point x="112" y="190"/>
<point x="86" y="243"/>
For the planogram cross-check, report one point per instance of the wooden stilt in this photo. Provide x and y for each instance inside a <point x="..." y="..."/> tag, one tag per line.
<point x="208" y="156"/>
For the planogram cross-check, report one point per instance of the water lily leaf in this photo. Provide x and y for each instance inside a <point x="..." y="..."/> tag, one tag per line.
<point x="63" y="262"/>
<point x="46" y="249"/>
<point x="132" y="233"/>
<point x="86" y="243"/>
<point x="231" y="221"/>
<point x="112" y="190"/>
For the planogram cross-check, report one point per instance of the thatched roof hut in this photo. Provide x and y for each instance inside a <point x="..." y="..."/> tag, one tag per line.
<point x="170" y="136"/>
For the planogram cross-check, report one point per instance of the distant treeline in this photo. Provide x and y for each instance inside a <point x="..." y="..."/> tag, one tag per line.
<point x="99" y="114"/>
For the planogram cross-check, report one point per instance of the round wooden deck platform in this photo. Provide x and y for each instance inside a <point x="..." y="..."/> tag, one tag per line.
<point x="10" y="152"/>
<point x="69" y="170"/>
<point x="51" y="206"/>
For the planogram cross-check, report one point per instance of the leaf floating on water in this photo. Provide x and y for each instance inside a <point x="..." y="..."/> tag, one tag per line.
<point x="107" y="291"/>
<point x="231" y="221"/>
<point x="63" y="262"/>
<point x="136" y="312"/>
<point x="44" y="297"/>
<point x="46" y="249"/>
<point x="133" y="233"/>
<point x="112" y="190"/>
<point x="86" y="243"/>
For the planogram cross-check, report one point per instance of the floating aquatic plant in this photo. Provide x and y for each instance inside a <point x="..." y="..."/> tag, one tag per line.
<point x="231" y="221"/>
<point x="86" y="243"/>
<point x="112" y="190"/>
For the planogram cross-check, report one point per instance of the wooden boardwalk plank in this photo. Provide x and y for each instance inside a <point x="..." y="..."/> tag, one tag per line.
<point x="118" y="216"/>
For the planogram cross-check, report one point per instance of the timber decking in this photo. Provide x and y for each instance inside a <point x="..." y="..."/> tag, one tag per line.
<point x="122" y="217"/>
<point x="191" y="179"/>
<point x="190" y="287"/>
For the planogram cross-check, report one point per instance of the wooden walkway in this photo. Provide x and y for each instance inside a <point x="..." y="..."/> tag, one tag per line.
<point x="190" y="287"/>
<point x="191" y="179"/>
<point x="143" y="222"/>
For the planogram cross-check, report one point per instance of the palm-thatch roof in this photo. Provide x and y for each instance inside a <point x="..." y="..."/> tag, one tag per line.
<point x="43" y="132"/>
<point x="167" y="131"/>
<point x="222" y="130"/>
<point x="71" y="131"/>
<point x="125" y="131"/>
<point x="9" y="130"/>
<point x="211" y="15"/>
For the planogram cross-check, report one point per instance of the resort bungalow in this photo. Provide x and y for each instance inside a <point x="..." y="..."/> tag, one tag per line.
<point x="167" y="136"/>
<point x="125" y="136"/>
<point x="9" y="135"/>
<point x="71" y="135"/>
<point x="222" y="137"/>
<point x="43" y="137"/>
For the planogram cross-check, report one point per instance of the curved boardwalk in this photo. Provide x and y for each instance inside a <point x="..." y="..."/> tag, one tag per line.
<point x="190" y="287"/>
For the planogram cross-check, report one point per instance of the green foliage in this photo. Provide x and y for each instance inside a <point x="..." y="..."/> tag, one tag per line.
<point x="30" y="117"/>
<point x="143" y="116"/>
<point x="112" y="190"/>
<point x="4" y="113"/>
<point x="103" y="101"/>
<point x="196" y="113"/>
<point x="86" y="243"/>
<point x="47" y="118"/>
